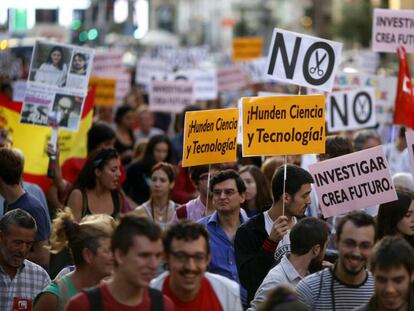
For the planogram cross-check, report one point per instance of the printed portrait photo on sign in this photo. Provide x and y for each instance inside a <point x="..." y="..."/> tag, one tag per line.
<point x="79" y="64"/>
<point x="70" y="108"/>
<point x="50" y="64"/>
<point x="34" y="114"/>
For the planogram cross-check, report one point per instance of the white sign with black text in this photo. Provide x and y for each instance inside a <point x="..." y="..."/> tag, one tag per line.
<point x="350" y="110"/>
<point x="303" y="60"/>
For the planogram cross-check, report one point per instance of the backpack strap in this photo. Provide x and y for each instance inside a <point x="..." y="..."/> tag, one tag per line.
<point x="95" y="298"/>
<point x="157" y="299"/>
<point x="181" y="212"/>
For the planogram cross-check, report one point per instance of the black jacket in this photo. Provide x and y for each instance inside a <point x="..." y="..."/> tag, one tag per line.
<point x="254" y="254"/>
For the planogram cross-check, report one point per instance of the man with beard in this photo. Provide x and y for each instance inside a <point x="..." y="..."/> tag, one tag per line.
<point x="392" y="264"/>
<point x="347" y="284"/>
<point x="137" y="247"/>
<point x="228" y="194"/>
<point x="187" y="283"/>
<point x="261" y="242"/>
<point x="20" y="279"/>
<point x="308" y="240"/>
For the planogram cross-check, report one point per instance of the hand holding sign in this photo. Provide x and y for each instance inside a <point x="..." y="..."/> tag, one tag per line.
<point x="279" y="229"/>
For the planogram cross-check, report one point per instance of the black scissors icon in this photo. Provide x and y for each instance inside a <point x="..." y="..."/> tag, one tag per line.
<point x="317" y="68"/>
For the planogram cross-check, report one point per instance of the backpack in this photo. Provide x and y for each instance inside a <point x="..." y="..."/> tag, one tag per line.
<point x="95" y="299"/>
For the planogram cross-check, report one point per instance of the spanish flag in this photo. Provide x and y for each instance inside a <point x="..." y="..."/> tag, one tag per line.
<point x="33" y="140"/>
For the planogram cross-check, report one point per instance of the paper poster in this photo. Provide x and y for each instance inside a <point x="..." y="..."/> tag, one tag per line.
<point x="231" y="78"/>
<point x="204" y="80"/>
<point x="385" y="91"/>
<point x="350" y="110"/>
<point x="283" y="125"/>
<point x="355" y="181"/>
<point x="58" y="79"/>
<point x="392" y="29"/>
<point x="152" y="69"/>
<point x="303" y="60"/>
<point x="170" y="96"/>
<point x="106" y="62"/>
<point x="409" y="136"/>
<point x="210" y="136"/>
<point x="105" y="90"/>
<point x="247" y="48"/>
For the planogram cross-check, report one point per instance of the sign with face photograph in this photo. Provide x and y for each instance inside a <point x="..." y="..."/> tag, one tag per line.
<point x="57" y="71"/>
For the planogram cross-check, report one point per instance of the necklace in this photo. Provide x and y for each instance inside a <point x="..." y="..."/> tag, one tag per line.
<point x="160" y="214"/>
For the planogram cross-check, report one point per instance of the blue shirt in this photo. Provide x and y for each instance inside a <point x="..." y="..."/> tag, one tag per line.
<point x="223" y="259"/>
<point x="30" y="204"/>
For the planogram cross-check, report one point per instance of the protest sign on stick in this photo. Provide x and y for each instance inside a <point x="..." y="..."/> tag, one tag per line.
<point x="247" y="48"/>
<point x="210" y="136"/>
<point x="355" y="181"/>
<point x="350" y="110"/>
<point x="303" y="60"/>
<point x="283" y="125"/>
<point x="170" y="96"/>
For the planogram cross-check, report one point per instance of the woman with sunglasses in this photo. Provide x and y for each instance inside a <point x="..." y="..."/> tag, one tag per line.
<point x="96" y="190"/>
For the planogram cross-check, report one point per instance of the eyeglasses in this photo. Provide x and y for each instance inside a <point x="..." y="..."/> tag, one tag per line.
<point x="227" y="192"/>
<point x="183" y="257"/>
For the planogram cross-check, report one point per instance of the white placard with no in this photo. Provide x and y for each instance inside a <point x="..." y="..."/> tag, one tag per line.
<point x="303" y="60"/>
<point x="350" y="110"/>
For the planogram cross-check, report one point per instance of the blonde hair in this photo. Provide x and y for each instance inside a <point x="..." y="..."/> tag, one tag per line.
<point x="67" y="232"/>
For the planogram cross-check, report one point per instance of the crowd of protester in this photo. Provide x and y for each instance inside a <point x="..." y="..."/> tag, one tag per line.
<point x="128" y="228"/>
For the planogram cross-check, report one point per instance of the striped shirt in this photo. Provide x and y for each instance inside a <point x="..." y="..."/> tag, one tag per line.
<point x="324" y="291"/>
<point x="29" y="281"/>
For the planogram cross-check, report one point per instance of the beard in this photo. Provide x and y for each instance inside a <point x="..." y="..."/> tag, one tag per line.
<point x="315" y="265"/>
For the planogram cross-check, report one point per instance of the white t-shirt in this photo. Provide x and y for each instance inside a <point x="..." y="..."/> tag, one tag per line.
<point x="283" y="248"/>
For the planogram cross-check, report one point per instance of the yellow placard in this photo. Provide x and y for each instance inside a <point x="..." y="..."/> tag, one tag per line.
<point x="247" y="48"/>
<point x="283" y="125"/>
<point x="105" y="90"/>
<point x="210" y="136"/>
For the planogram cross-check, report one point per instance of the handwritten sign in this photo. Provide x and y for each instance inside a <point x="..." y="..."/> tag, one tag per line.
<point x="283" y="125"/>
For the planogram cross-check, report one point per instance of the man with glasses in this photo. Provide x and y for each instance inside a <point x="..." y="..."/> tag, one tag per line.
<point x="68" y="117"/>
<point x="187" y="283"/>
<point x="228" y="194"/>
<point x="348" y="284"/>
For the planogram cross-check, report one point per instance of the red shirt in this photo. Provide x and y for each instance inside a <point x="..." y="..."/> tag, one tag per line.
<point x="81" y="302"/>
<point x="206" y="300"/>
